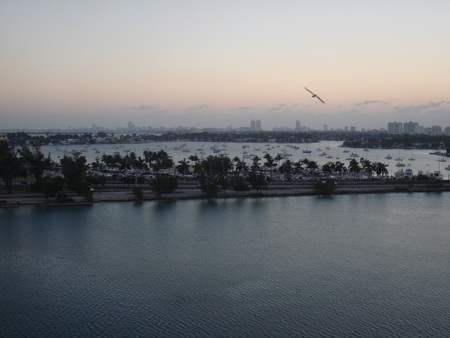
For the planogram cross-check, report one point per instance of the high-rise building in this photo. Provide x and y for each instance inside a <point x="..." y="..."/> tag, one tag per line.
<point x="298" y="125"/>
<point x="255" y="125"/>
<point x="395" y="128"/>
<point x="325" y="127"/>
<point x="410" y="127"/>
<point x="436" y="130"/>
<point x="131" y="126"/>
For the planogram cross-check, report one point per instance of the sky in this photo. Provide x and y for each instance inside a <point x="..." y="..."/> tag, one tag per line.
<point x="217" y="63"/>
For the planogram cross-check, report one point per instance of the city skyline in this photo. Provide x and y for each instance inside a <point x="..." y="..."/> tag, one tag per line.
<point x="208" y="64"/>
<point x="393" y="127"/>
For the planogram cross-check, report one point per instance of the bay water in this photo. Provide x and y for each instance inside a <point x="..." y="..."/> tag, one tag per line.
<point x="351" y="265"/>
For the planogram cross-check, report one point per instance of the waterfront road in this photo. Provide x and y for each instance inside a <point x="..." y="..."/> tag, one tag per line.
<point x="189" y="191"/>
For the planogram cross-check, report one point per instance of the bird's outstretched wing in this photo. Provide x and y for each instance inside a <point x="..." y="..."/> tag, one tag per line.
<point x="320" y="99"/>
<point x="309" y="91"/>
<point x="314" y="95"/>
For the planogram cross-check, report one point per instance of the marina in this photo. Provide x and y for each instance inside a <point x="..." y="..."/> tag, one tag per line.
<point x="424" y="161"/>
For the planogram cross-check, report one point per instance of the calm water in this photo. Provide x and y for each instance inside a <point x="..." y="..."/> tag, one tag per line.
<point x="364" y="265"/>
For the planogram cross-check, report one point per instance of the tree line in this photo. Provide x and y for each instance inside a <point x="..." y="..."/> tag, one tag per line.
<point x="213" y="173"/>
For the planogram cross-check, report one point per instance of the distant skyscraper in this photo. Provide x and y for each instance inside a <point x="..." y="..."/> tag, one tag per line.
<point x="436" y="130"/>
<point x="395" y="128"/>
<point x="255" y="125"/>
<point x="258" y="125"/>
<point x="410" y="127"/>
<point x="352" y="129"/>
<point x="298" y="125"/>
<point x="131" y="126"/>
<point x="325" y="127"/>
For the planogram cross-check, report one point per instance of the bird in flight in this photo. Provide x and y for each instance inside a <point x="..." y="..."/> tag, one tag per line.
<point x="314" y="95"/>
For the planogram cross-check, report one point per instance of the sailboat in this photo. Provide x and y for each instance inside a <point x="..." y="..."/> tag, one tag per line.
<point x="307" y="150"/>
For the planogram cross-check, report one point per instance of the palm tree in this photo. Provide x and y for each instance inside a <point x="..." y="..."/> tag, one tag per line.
<point x="270" y="161"/>
<point x="354" y="168"/>
<point x="311" y="165"/>
<point x="367" y="166"/>
<point x="255" y="165"/>
<point x="339" y="167"/>
<point x="298" y="166"/>
<point x="194" y="158"/>
<point x="240" y="165"/>
<point x="183" y="166"/>
<point x="380" y="169"/>
<point x="327" y="169"/>
<point x="286" y="167"/>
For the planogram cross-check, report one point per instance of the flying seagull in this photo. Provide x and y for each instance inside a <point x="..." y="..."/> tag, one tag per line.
<point x="314" y="95"/>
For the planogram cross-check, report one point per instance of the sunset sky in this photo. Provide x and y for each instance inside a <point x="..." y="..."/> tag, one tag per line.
<point x="211" y="63"/>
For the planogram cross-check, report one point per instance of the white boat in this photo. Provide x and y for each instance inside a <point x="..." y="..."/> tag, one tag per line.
<point x="400" y="164"/>
<point x="388" y="157"/>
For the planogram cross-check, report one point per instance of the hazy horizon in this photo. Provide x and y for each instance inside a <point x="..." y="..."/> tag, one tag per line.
<point x="216" y="64"/>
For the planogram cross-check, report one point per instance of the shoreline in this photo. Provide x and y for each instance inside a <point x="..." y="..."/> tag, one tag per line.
<point x="189" y="193"/>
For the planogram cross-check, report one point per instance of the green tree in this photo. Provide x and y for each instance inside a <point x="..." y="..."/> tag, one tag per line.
<point x="367" y="166"/>
<point x="239" y="183"/>
<point x="270" y="162"/>
<point x="183" y="166"/>
<point x="163" y="184"/>
<point x="255" y="163"/>
<point x="74" y="171"/>
<point x="49" y="186"/>
<point x="138" y="192"/>
<point x="9" y="165"/>
<point x="162" y="161"/>
<point x="324" y="188"/>
<point x="35" y="162"/>
<point x="286" y="167"/>
<point x="209" y="187"/>
<point x="257" y="181"/>
<point x="339" y="167"/>
<point x="354" y="167"/>
<point x="327" y="169"/>
<point x="239" y="165"/>
<point x="381" y="169"/>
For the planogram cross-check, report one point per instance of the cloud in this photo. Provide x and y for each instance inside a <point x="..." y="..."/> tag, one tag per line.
<point x="144" y="107"/>
<point x="162" y="111"/>
<point x="370" y="102"/>
<point x="277" y="108"/>
<point x="244" y="108"/>
<point x="418" y="108"/>
<point x="197" y="108"/>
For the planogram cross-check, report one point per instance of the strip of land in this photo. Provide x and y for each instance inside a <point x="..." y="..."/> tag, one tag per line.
<point x="192" y="192"/>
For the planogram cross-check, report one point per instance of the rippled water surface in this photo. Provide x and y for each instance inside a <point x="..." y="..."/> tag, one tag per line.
<point x="363" y="265"/>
